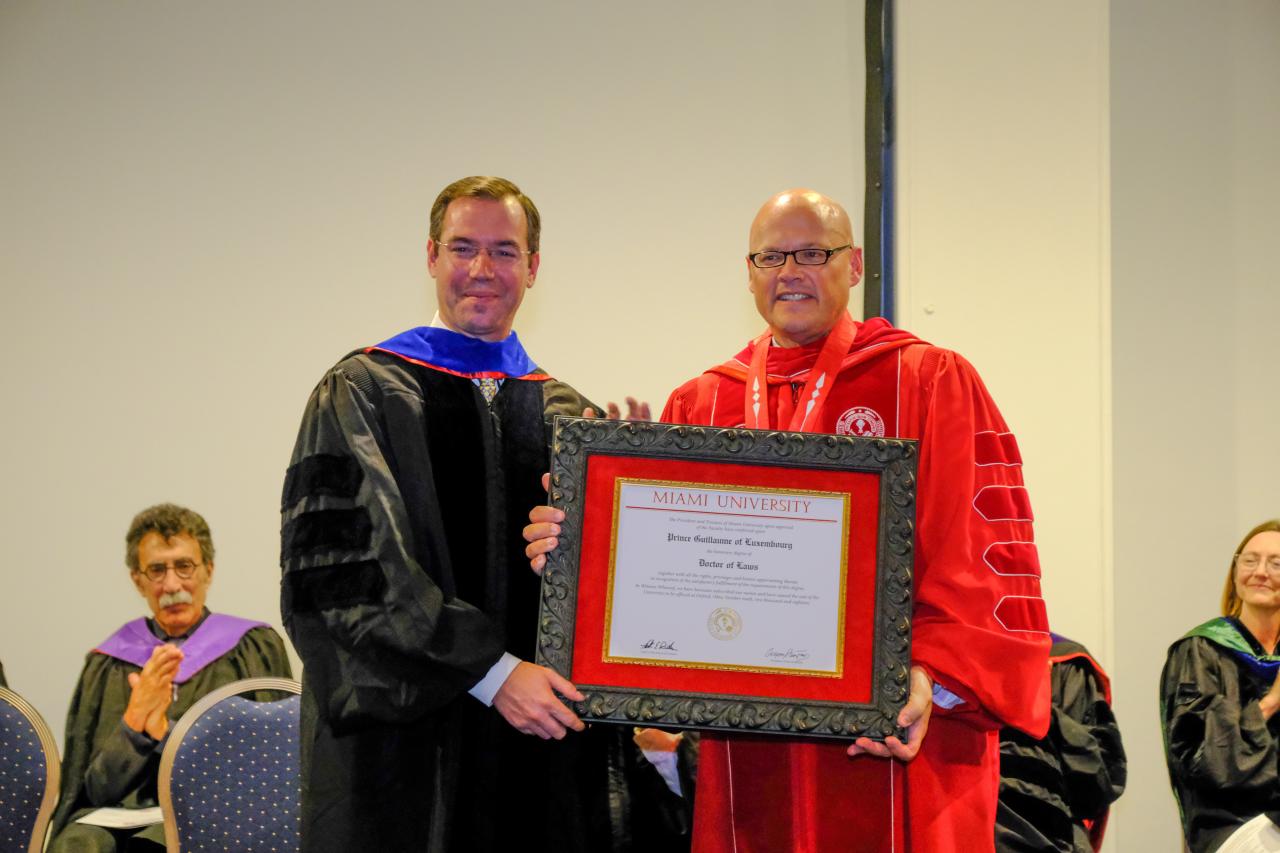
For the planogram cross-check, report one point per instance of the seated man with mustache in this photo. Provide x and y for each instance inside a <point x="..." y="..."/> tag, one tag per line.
<point x="142" y="678"/>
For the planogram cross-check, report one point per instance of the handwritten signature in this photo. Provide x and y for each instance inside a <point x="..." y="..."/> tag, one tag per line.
<point x="788" y="655"/>
<point x="659" y="645"/>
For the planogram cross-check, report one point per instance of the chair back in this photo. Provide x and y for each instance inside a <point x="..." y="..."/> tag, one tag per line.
<point x="29" y="774"/>
<point x="230" y="772"/>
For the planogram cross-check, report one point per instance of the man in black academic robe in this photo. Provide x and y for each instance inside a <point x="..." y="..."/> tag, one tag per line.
<point x="406" y="590"/>
<point x="1056" y="791"/>
<point x="140" y="680"/>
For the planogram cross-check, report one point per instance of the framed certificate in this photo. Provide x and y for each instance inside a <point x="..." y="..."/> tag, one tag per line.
<point x="731" y="579"/>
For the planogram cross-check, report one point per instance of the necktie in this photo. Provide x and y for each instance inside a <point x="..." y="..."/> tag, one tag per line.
<point x="489" y="388"/>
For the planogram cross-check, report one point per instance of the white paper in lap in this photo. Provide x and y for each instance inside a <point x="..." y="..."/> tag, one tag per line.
<point x="121" y="818"/>
<point x="730" y="578"/>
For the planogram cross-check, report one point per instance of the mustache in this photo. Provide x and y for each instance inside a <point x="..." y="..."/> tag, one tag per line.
<point x="171" y="598"/>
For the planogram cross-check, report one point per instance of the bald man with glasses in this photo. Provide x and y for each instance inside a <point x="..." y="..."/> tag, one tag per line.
<point x="980" y="637"/>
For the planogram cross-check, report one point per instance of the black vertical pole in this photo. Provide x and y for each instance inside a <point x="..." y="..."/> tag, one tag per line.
<point x="878" y="146"/>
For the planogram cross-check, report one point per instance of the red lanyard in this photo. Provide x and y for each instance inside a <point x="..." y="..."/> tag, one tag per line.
<point x="821" y="377"/>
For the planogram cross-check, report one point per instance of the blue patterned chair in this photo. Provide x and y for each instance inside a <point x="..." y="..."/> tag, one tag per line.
<point x="29" y="771"/>
<point x="229" y="773"/>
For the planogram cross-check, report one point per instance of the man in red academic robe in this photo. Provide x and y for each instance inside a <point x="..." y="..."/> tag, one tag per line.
<point x="979" y="633"/>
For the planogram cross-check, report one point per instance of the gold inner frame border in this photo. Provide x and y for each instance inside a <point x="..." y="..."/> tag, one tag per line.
<point x="846" y="498"/>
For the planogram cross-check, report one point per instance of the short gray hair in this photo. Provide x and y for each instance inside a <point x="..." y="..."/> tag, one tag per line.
<point x="168" y="520"/>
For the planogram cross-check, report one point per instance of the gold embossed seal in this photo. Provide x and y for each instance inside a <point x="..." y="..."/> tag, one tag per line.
<point x="724" y="623"/>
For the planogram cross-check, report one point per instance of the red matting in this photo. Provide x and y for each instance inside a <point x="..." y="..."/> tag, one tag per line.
<point x="589" y="668"/>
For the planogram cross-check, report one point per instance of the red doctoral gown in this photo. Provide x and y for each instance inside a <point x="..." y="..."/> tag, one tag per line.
<point x="979" y="627"/>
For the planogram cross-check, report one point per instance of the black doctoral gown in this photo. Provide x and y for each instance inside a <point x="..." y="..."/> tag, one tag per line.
<point x="404" y="581"/>
<point x="1222" y="754"/>
<point x="94" y="723"/>
<point x="1055" y="791"/>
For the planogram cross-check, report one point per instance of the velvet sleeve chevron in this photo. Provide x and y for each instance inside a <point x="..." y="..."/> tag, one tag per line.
<point x="979" y="626"/>
<point x="380" y="641"/>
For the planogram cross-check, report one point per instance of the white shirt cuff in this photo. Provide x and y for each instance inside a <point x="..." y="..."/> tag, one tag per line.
<point x="668" y="766"/>
<point x="944" y="698"/>
<point x="493" y="680"/>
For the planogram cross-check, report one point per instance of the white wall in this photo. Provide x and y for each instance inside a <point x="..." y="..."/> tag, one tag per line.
<point x="1195" y="209"/>
<point x="1003" y="252"/>
<point x="203" y="206"/>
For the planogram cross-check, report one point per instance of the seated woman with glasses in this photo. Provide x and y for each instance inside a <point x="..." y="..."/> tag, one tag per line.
<point x="1219" y="694"/>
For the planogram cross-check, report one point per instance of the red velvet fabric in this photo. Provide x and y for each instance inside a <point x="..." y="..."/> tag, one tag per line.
<point x="588" y="648"/>
<point x="978" y="631"/>
<point x="996" y="448"/>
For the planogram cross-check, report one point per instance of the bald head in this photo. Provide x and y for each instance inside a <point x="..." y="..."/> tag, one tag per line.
<point x="803" y="301"/>
<point x="798" y="205"/>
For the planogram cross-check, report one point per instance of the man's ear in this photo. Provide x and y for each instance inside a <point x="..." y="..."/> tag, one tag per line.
<point x="433" y="255"/>
<point x="209" y="566"/>
<point x="534" y="260"/>
<point x="855" y="266"/>
<point x="136" y="577"/>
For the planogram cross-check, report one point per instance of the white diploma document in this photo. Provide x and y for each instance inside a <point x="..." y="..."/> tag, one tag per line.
<point x="705" y="576"/>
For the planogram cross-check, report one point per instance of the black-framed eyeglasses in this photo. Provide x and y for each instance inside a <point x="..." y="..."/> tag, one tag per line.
<point x="1250" y="562"/>
<point x="184" y="569"/>
<point x="811" y="257"/>
<point x="468" y="252"/>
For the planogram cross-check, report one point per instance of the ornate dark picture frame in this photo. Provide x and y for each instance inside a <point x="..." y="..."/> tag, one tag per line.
<point x="893" y="461"/>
